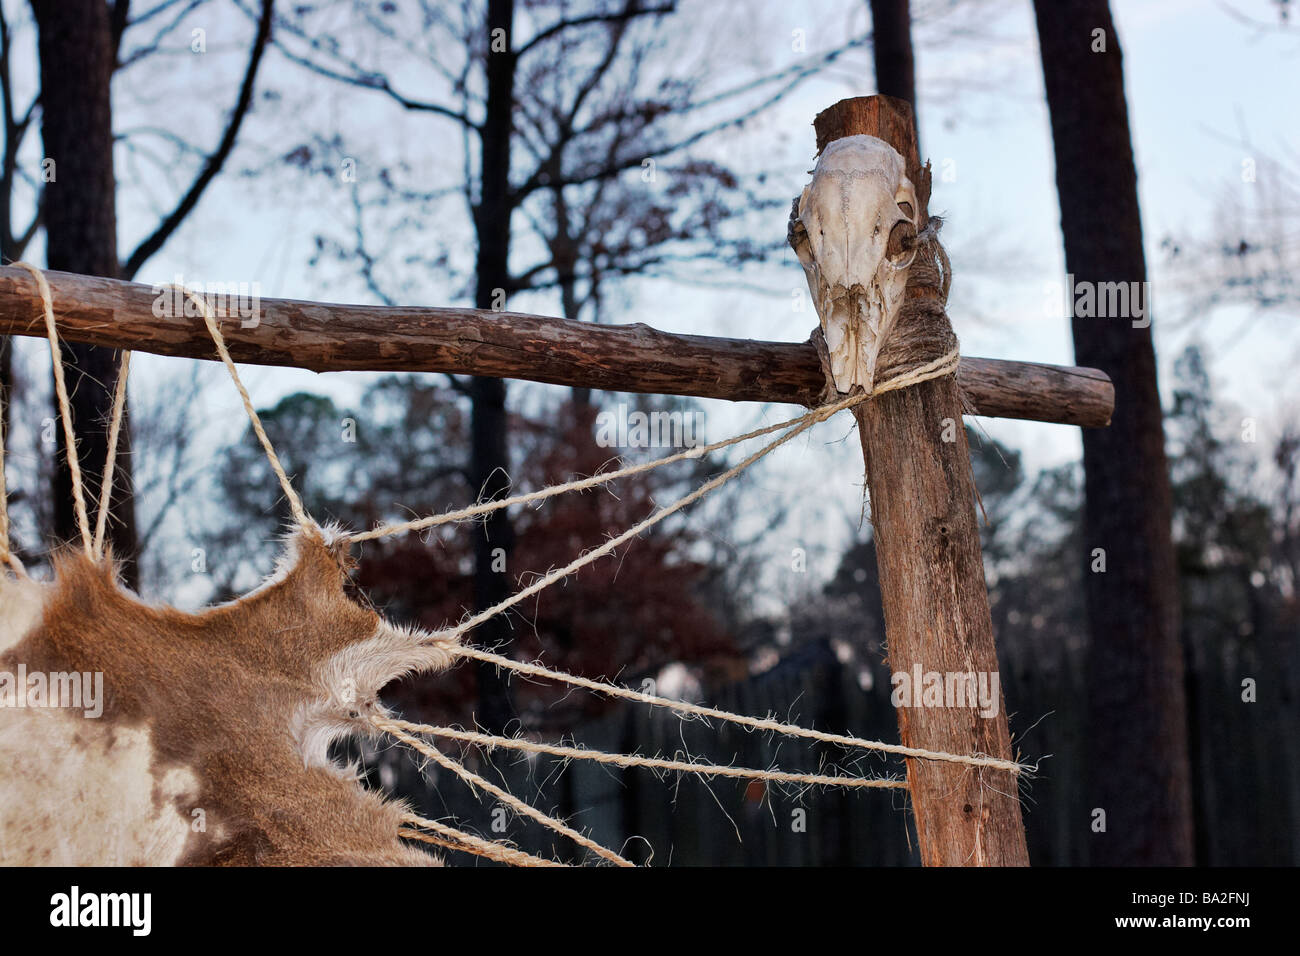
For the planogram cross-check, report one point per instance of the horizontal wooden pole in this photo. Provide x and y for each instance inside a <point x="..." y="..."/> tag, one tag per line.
<point x="325" y="337"/>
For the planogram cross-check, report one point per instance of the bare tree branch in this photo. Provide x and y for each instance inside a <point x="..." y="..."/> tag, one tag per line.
<point x="360" y="77"/>
<point x="620" y="17"/>
<point x="18" y="244"/>
<point x="15" y="131"/>
<point x="542" y="177"/>
<point x="212" y="167"/>
<point x="153" y="45"/>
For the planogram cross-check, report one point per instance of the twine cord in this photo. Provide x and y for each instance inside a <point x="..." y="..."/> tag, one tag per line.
<point x="110" y="462"/>
<point x="582" y="484"/>
<point x="634" y="760"/>
<point x="445" y="843"/>
<point x="595" y="554"/>
<point x="65" y="407"/>
<point x="944" y="365"/>
<point x="469" y="843"/>
<point x="474" y="780"/>
<point x="754" y="723"/>
<point x="295" y="503"/>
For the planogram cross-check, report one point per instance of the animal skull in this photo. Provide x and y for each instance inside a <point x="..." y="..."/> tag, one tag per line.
<point x="840" y="229"/>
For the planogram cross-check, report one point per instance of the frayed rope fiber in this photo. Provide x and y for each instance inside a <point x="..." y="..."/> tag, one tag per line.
<point x="65" y="408"/>
<point x="93" y="546"/>
<point x="398" y="727"/>
<point x="454" y="839"/>
<point x="398" y="731"/>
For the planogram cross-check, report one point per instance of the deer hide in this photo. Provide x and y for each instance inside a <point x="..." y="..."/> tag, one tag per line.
<point x="212" y="745"/>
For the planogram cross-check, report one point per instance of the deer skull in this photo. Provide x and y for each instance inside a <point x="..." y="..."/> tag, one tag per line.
<point x="841" y="230"/>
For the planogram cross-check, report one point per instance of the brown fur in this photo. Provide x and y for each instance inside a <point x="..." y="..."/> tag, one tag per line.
<point x="220" y="693"/>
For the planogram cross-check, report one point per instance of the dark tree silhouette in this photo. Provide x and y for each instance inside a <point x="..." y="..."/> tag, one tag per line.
<point x="1137" y="730"/>
<point x="77" y="205"/>
<point x="81" y="236"/>
<point x="891" y="45"/>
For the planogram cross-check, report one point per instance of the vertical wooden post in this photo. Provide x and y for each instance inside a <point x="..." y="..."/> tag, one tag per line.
<point x="932" y="573"/>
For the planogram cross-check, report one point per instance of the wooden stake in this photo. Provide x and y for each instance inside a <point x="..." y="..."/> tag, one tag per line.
<point x="932" y="574"/>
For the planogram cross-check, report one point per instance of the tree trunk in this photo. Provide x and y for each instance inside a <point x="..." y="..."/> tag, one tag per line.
<point x="1137" y="749"/>
<point x="891" y="45"/>
<point x="489" y="455"/>
<point x="76" y="53"/>
<point x="564" y="252"/>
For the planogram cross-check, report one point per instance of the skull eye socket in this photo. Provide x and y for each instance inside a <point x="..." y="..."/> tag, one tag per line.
<point x="902" y="240"/>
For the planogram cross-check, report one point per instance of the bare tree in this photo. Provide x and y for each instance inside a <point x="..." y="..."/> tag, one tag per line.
<point x="81" y="234"/>
<point x="1137" y="728"/>
<point x="77" y="205"/>
<point x="523" y="104"/>
<point x="1250" y="253"/>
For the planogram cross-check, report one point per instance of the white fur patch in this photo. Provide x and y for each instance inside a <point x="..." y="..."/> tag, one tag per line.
<point x="21" y="601"/>
<point x="60" y="765"/>
<point x="350" y="682"/>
